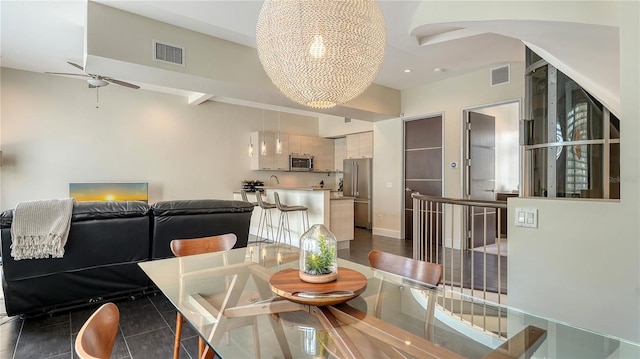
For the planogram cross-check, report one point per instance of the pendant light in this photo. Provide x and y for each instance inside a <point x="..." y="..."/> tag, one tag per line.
<point x="250" y="147"/>
<point x="278" y="141"/>
<point x="263" y="145"/>
<point x="321" y="53"/>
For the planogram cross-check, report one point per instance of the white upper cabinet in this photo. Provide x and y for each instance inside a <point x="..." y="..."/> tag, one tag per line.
<point x="339" y="153"/>
<point x="300" y="145"/>
<point x="359" y="145"/>
<point x="323" y="155"/>
<point x="261" y="161"/>
<point x="322" y="149"/>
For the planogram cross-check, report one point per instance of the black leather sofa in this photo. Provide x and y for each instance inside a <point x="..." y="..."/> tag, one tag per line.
<point x="106" y="242"/>
<point x="198" y="218"/>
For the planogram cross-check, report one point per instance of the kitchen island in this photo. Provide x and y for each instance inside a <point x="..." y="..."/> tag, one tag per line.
<point x="324" y="207"/>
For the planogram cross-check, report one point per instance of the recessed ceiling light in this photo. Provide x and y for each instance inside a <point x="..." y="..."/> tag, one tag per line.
<point x="439" y="69"/>
<point x="407" y="70"/>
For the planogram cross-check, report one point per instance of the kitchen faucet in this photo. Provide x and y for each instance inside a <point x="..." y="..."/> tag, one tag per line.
<point x="277" y="180"/>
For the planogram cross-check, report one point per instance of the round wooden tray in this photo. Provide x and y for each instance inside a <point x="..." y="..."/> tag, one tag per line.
<point x="287" y="284"/>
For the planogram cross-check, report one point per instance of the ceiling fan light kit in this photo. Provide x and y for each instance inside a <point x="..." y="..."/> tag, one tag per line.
<point x="321" y="53"/>
<point x="97" y="83"/>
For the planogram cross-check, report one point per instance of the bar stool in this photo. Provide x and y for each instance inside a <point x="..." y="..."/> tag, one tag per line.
<point x="284" y="217"/>
<point x="266" y="221"/>
<point x="243" y="193"/>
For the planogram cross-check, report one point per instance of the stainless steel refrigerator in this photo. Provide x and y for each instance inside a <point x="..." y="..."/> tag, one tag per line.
<point x="357" y="184"/>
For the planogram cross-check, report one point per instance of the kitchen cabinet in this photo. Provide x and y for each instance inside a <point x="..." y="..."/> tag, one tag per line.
<point x="301" y="145"/>
<point x="323" y="155"/>
<point x="322" y="150"/>
<point x="359" y="145"/>
<point x="260" y="161"/>
<point x="339" y="153"/>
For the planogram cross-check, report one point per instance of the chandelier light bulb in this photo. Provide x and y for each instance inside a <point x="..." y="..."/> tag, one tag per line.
<point x="317" y="47"/>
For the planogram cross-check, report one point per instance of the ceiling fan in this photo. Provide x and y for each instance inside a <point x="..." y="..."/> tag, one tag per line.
<point x="95" y="81"/>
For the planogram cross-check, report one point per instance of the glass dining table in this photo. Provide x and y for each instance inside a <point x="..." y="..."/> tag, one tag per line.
<point x="228" y="299"/>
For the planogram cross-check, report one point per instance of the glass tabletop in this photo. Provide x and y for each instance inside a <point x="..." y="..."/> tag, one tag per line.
<point x="227" y="298"/>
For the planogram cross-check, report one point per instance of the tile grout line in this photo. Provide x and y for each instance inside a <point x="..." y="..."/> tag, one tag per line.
<point x="73" y="347"/>
<point x="15" y="349"/>
<point x="173" y="330"/>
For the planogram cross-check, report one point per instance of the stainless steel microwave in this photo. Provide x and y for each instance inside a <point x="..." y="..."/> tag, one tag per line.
<point x="300" y="163"/>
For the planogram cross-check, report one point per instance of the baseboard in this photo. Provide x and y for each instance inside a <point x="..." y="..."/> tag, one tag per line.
<point x="387" y="233"/>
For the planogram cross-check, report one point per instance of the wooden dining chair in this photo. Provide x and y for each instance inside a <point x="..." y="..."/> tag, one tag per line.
<point x="188" y="247"/>
<point x="96" y="337"/>
<point x="420" y="271"/>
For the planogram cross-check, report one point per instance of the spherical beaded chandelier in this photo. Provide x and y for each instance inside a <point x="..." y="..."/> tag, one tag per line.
<point x="321" y="53"/>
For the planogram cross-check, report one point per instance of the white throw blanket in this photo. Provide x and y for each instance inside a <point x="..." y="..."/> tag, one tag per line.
<point x="40" y="228"/>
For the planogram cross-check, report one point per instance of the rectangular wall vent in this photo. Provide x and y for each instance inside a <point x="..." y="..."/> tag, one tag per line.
<point x="168" y="53"/>
<point x="500" y="75"/>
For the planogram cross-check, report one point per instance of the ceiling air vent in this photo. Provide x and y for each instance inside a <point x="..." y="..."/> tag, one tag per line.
<point x="168" y="53"/>
<point x="500" y="75"/>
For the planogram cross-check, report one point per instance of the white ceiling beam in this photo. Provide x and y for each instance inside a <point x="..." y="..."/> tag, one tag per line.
<point x="447" y="36"/>
<point x="197" y="98"/>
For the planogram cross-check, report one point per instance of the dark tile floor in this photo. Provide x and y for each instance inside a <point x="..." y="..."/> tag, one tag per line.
<point x="146" y="324"/>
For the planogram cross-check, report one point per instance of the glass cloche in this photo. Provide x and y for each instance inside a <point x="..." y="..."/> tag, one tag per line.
<point x="318" y="255"/>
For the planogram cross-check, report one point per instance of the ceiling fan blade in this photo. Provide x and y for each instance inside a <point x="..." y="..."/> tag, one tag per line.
<point x="121" y="83"/>
<point x="66" y="74"/>
<point x="76" y="65"/>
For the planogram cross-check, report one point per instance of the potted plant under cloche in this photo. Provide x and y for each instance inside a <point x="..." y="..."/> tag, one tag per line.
<point x="318" y="255"/>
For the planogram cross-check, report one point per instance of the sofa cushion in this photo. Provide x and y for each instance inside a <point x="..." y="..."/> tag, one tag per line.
<point x="199" y="206"/>
<point x="198" y="218"/>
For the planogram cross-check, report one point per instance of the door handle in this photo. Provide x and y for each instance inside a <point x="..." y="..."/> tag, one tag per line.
<point x="408" y="189"/>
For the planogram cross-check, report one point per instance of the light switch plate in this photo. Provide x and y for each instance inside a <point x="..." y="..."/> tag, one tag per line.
<point x="526" y="217"/>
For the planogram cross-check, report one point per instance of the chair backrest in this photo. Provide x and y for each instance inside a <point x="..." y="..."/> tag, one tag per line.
<point x="261" y="203"/>
<point x="276" y="198"/>
<point x="96" y="337"/>
<point x="426" y="272"/>
<point x="188" y="247"/>
<point x="243" y="193"/>
<point x="244" y="196"/>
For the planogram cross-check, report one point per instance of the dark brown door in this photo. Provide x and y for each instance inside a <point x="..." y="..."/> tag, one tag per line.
<point x="481" y="134"/>
<point x="422" y="163"/>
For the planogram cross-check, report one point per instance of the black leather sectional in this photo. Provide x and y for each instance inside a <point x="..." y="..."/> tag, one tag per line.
<point x="106" y="242"/>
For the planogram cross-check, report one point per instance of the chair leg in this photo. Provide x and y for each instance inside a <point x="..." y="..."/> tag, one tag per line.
<point x="269" y="222"/>
<point x="305" y="214"/>
<point x="256" y="337"/>
<point x="280" y="227"/>
<point x="260" y="224"/>
<point x="288" y="228"/>
<point x="208" y="354"/>
<point x="201" y="347"/>
<point x="176" y="344"/>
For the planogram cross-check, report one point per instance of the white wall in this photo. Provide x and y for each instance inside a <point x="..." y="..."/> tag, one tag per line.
<point x="449" y="97"/>
<point x="507" y="145"/>
<point x="331" y="126"/>
<point x="52" y="135"/>
<point x="582" y="264"/>
<point x="387" y="170"/>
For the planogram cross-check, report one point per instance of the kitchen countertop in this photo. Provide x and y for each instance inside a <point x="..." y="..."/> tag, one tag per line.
<point x="308" y="188"/>
<point x="340" y="197"/>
